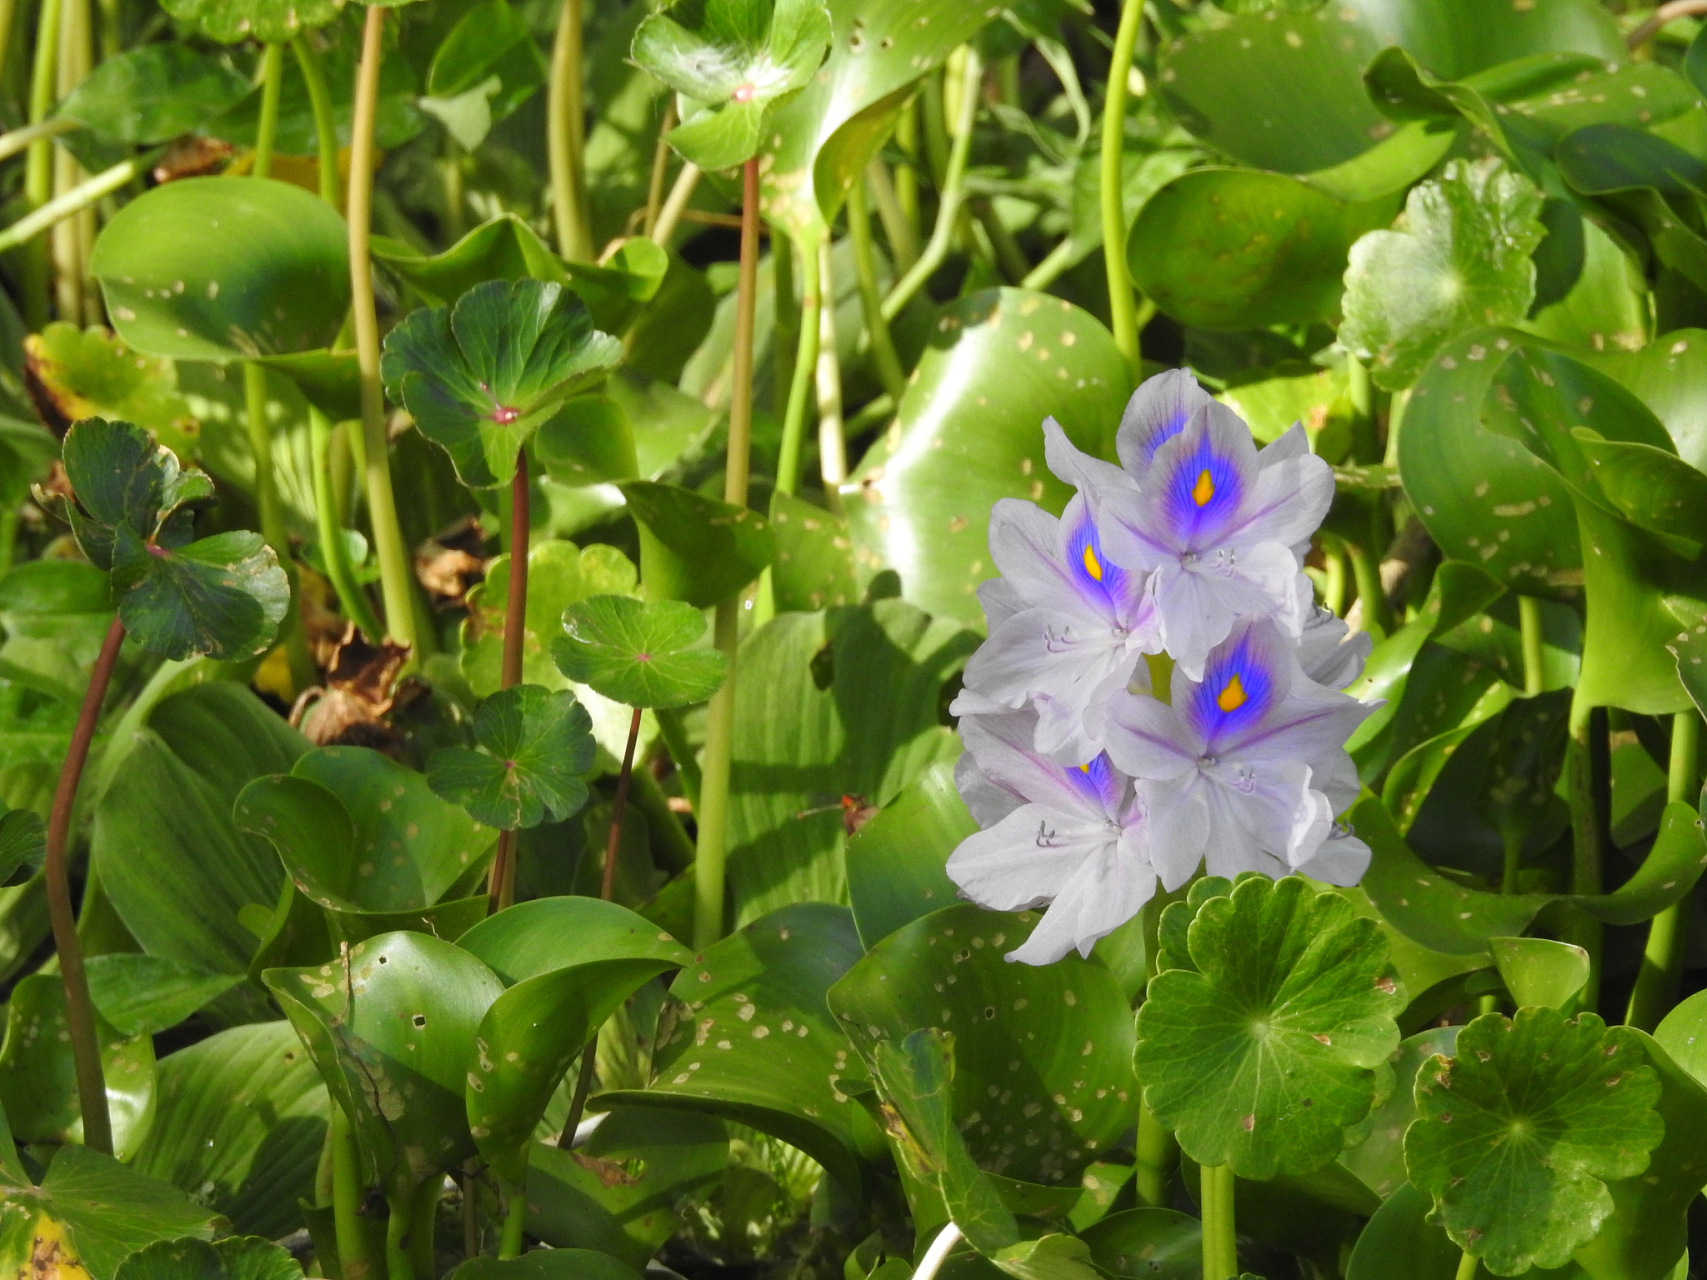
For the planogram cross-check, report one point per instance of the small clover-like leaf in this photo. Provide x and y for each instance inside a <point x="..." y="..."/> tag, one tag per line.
<point x="639" y="653"/>
<point x="534" y="745"/>
<point x="235" y="21"/>
<point x="1461" y="263"/>
<point x="1517" y="1135"/>
<point x="482" y="375"/>
<point x="739" y="58"/>
<point x="1262" y="1055"/>
<point x="222" y="596"/>
<point x="23" y="844"/>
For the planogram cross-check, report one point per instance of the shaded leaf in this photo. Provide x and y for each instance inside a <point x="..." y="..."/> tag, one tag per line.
<point x="1378" y="1160"/>
<point x="23" y="845"/>
<point x="1539" y="971"/>
<point x="144" y="995"/>
<point x="154" y="92"/>
<point x="548" y="1264"/>
<point x="1138" y="1244"/>
<point x="534" y="745"/>
<point x="233" y="1258"/>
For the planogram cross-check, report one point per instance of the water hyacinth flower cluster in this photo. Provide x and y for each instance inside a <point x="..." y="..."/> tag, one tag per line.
<point x="1183" y="565"/>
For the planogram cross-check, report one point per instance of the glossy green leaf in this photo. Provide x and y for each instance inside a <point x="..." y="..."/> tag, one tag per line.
<point x="205" y="269"/>
<point x="694" y="548"/>
<point x="220" y="597"/>
<point x="144" y="995"/>
<point x="480" y="377"/>
<point x="821" y="139"/>
<point x="809" y="732"/>
<point x="1461" y="263"/>
<point x="1049" y="1039"/>
<point x="1483" y="497"/>
<point x="969" y="432"/>
<point x="23" y="845"/>
<point x="1400" y="1243"/>
<point x="897" y="862"/>
<point x="239" y="1121"/>
<point x="1650" y="487"/>
<point x="1539" y="971"/>
<point x="1378" y="1159"/>
<point x="233" y="1258"/>
<point x="175" y="867"/>
<point x="548" y="1264"/>
<point x="570" y="962"/>
<point x="618" y="1191"/>
<point x="154" y="92"/>
<point x="588" y="441"/>
<point x="1590" y="290"/>
<point x="642" y="654"/>
<point x="741" y="59"/>
<point x="1238" y="248"/>
<point x="1141" y="1244"/>
<point x="534" y="745"/>
<point x="503" y="248"/>
<point x="89" y="373"/>
<point x="389" y="1026"/>
<point x="1315" y="977"/>
<point x="814" y="565"/>
<point x="748" y="1038"/>
<point x="121" y="477"/>
<point x="232" y="21"/>
<point x="1645" y="180"/>
<point x="1667" y="375"/>
<point x="1460" y="37"/>
<point x="1516" y="1155"/>
<point x="91" y="1208"/>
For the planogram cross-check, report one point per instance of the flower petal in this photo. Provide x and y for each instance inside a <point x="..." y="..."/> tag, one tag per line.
<point x="986" y="799"/>
<point x="1025" y="859"/>
<point x="1107" y="890"/>
<point x="1327" y="654"/>
<point x="1156" y="413"/>
<point x="1285" y="503"/>
<point x="1245" y="678"/>
<point x="1341" y="859"/>
<point x="1177" y="819"/>
<point x="1146" y="739"/>
<point x="1200" y="482"/>
<point x="1004" y="749"/>
<point x="1078" y="468"/>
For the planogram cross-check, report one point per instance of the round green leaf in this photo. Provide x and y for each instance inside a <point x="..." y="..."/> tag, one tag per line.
<point x="1239" y="249"/>
<point x="748" y="1038"/>
<point x="1054" y="1042"/>
<point x="390" y="1026"/>
<point x="969" y="432"/>
<point x="155" y="92"/>
<point x="1518" y="1133"/>
<point x="233" y="21"/>
<point x="223" y="597"/>
<point x="1261" y="1056"/>
<point x="480" y="377"/>
<point x="534" y="747"/>
<point x="119" y="476"/>
<point x="640" y="654"/>
<point x="206" y="269"/>
<point x="239" y="1121"/>
<point x="1461" y="263"/>
<point x="694" y="548"/>
<point x="233" y="1258"/>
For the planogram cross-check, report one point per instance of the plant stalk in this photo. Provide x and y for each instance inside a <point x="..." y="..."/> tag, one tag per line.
<point x="712" y="806"/>
<point x="883" y="353"/>
<point x="79" y="1008"/>
<point x="1662" y="959"/>
<point x="1371" y="595"/>
<point x="832" y="447"/>
<point x="515" y="1219"/>
<point x="938" y="1252"/>
<point x="355" y="1245"/>
<point x="70" y="203"/>
<point x="266" y="132"/>
<point x="398" y="1264"/>
<point x="660" y="167"/>
<point x="333" y="550"/>
<point x="674" y="733"/>
<point x="25" y="136"/>
<point x="1155" y="1152"/>
<point x="1049" y="270"/>
<point x="72" y="238"/>
<point x="907" y="176"/>
<point x="1467" y="1265"/>
<point x="675" y="204"/>
<point x="1220" y="1240"/>
<point x="1534" y="663"/>
<point x="1580" y="793"/>
<point x="325" y="124"/>
<point x="670" y="843"/>
<point x="565" y="124"/>
<point x="501" y="885"/>
<point x="38" y="165"/>
<point x="394" y="569"/>
<point x="805" y="364"/>
<point x="785" y="322"/>
<point x="423" y="1215"/>
<point x="1121" y="306"/>
<point x="949" y="199"/>
<point x="897" y="228"/>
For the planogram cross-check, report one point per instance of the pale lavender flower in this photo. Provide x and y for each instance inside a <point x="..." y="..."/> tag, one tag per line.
<point x="1245" y="768"/>
<point x="1071" y="836"/>
<point x="1328" y="654"/>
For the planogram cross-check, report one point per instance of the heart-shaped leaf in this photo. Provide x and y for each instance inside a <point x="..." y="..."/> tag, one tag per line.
<point x="389" y="1025"/>
<point x="205" y="269"/>
<point x="534" y="747"/>
<point x="239" y="1121"/>
<point x="739" y="58"/>
<point x="233" y="1258"/>
<point x="1462" y="262"/>
<point x="694" y="548"/>
<point x="1518" y="1133"/>
<point x="234" y="21"/>
<point x="481" y="376"/>
<point x="642" y="654"/>
<point x="1261" y="1056"/>
<point x="155" y="92"/>
<point x="571" y="962"/>
<point x="89" y="373"/>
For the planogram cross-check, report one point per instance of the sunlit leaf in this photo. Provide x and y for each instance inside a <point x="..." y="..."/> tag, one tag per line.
<point x="231" y="21"/>
<point x="694" y="548"/>
<point x="534" y="747"/>
<point x="88" y="373"/>
<point x="142" y="994"/>
<point x="154" y="92"/>
<point x="642" y="654"/>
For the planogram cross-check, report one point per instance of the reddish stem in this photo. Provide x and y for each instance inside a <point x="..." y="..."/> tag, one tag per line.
<point x="501" y="885"/>
<point x="79" y="1009"/>
<point x="619" y="807"/>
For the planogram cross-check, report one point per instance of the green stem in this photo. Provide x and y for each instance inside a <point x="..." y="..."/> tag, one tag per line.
<point x="936" y="126"/>
<point x="805" y="362"/>
<point x="355" y="1245"/>
<point x="1366" y="572"/>
<point x="333" y="550"/>
<point x="660" y="166"/>
<point x="1220" y="1240"/>
<point x="1584" y="930"/>
<point x="565" y="143"/>
<point x="785" y="326"/>
<point x="515" y="1219"/>
<point x="325" y="124"/>
<point x="674" y="732"/>
<point x="832" y="448"/>
<point x="1122" y="308"/>
<point x="79" y="1008"/>
<point x="8" y="15"/>
<point x="83" y="196"/>
<point x="25" y="136"/>
<point x="1662" y="959"/>
<point x="907" y="176"/>
<point x="681" y="191"/>
<point x="1010" y="258"/>
<point x="1529" y="627"/>
<point x="949" y="199"/>
<point x="8" y="537"/>
<point x="712" y="807"/>
<point x="303" y="672"/>
<point x="883" y="354"/>
<point x="1155" y="1152"/>
<point x="897" y="227"/>
<point x="395" y="572"/>
<point x="423" y="1217"/>
<point x="272" y="83"/>
<point x="1366" y="442"/>
<point x="1467" y="1265"/>
<point x="1049" y="270"/>
<point x="1333" y="593"/>
<point x="1513" y="863"/>
<point x="398" y="1264"/>
<point x="38" y="165"/>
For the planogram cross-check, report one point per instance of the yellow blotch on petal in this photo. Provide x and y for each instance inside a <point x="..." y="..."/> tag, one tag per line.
<point x="1204" y="489"/>
<point x="1093" y="566"/>
<point x="1232" y="695"/>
